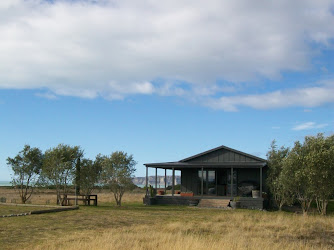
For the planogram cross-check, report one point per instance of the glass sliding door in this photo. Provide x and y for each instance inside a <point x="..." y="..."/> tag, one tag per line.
<point x="221" y="175"/>
<point x="209" y="182"/>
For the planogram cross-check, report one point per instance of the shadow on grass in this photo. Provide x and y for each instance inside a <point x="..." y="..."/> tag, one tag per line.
<point x="137" y="206"/>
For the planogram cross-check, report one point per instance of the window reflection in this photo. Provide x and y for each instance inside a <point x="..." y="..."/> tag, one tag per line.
<point x="209" y="182"/>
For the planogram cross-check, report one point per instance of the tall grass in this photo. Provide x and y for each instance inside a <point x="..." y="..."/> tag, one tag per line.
<point x="135" y="226"/>
<point x="229" y="230"/>
<point x="48" y="196"/>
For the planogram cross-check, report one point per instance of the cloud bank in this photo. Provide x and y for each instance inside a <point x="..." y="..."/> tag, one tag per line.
<point x="113" y="49"/>
<point x="303" y="97"/>
<point x="309" y="125"/>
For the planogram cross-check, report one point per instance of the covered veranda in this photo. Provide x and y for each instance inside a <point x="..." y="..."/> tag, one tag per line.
<point x="219" y="173"/>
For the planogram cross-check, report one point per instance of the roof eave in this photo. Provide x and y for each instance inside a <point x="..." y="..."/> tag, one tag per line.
<point x="183" y="165"/>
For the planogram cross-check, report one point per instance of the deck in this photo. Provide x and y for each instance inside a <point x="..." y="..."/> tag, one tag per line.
<point x="245" y="202"/>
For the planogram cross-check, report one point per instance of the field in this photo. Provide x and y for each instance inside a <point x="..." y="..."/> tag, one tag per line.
<point x="135" y="226"/>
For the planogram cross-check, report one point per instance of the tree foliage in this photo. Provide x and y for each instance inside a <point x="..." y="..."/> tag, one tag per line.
<point x="280" y="193"/>
<point x="117" y="173"/>
<point x="59" y="168"/>
<point x="306" y="172"/>
<point x="90" y="172"/>
<point x="26" y="166"/>
<point x="320" y="161"/>
<point x="296" y="176"/>
<point x="64" y="166"/>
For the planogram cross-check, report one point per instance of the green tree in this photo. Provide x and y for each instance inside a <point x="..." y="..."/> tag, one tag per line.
<point x="320" y="161"/>
<point x="26" y="166"/>
<point x="297" y="176"/>
<point x="59" y="168"/>
<point x="117" y="173"/>
<point x="280" y="193"/>
<point x="77" y="175"/>
<point x="90" y="174"/>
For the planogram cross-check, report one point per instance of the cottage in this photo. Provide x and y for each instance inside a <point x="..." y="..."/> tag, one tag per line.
<point x="214" y="178"/>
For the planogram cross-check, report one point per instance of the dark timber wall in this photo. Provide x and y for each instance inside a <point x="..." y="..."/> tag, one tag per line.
<point x="189" y="180"/>
<point x="251" y="203"/>
<point x="245" y="202"/>
<point x="176" y="200"/>
<point x="223" y="155"/>
<point x="249" y="175"/>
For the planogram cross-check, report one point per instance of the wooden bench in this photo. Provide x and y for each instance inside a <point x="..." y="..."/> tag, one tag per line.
<point x="85" y="198"/>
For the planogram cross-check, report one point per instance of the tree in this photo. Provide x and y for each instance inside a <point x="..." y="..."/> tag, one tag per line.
<point x="26" y="167"/>
<point x="117" y="173"/>
<point x="297" y="176"/>
<point x="77" y="175"/>
<point x="320" y="161"/>
<point x="90" y="174"/>
<point x="59" y="168"/>
<point x="280" y="193"/>
<point x="306" y="172"/>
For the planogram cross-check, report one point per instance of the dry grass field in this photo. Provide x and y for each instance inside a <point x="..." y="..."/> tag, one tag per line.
<point x="135" y="226"/>
<point x="48" y="196"/>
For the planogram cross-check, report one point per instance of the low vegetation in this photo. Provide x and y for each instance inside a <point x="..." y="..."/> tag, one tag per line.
<point x="136" y="226"/>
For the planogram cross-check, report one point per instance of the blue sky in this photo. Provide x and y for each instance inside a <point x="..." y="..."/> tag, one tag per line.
<point x="164" y="81"/>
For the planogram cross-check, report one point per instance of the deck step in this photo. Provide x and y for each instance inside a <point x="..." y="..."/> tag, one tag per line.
<point x="214" y="203"/>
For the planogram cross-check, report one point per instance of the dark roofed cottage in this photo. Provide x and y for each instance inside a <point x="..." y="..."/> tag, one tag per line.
<point x="221" y="174"/>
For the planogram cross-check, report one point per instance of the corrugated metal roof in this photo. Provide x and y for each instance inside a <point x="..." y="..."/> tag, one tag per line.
<point x="252" y="162"/>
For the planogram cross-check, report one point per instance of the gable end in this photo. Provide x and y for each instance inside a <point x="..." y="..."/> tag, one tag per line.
<point x="223" y="154"/>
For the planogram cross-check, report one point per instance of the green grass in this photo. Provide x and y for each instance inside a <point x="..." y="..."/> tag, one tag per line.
<point x="12" y="209"/>
<point x="37" y="228"/>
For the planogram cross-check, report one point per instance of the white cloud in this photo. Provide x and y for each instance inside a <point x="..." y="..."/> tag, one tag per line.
<point x="303" y="97"/>
<point x="118" y="91"/>
<point x="47" y="95"/>
<point x="307" y="110"/>
<point x="309" y="125"/>
<point x="118" y="48"/>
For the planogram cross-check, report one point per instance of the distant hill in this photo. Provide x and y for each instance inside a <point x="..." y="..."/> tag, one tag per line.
<point x="141" y="181"/>
<point x="5" y="184"/>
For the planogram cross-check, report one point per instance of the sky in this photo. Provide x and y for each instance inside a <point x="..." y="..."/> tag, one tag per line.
<point x="164" y="80"/>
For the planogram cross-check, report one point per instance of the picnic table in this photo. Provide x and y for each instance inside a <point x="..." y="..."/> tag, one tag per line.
<point x="86" y="199"/>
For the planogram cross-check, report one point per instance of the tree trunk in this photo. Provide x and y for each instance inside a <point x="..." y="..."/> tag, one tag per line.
<point x="305" y="204"/>
<point x="280" y="207"/>
<point x="23" y="200"/>
<point x="58" y="198"/>
<point x="77" y="176"/>
<point x="322" y="206"/>
<point x="116" y="198"/>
